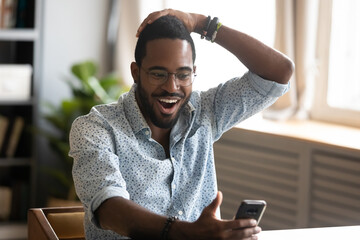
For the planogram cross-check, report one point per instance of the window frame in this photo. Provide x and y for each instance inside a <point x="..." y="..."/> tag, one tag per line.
<point x="321" y="110"/>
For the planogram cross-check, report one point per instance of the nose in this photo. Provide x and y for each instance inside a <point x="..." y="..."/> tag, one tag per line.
<point x="171" y="84"/>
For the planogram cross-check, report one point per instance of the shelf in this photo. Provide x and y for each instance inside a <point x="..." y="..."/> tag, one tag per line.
<point x="18" y="35"/>
<point x="16" y="102"/>
<point x="8" y="162"/>
<point x="12" y="230"/>
<point x="21" y="46"/>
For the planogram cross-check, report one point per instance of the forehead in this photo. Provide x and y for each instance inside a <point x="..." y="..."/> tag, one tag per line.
<point x="168" y="52"/>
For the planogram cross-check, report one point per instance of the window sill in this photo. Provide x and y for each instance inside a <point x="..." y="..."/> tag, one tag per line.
<point x="308" y="130"/>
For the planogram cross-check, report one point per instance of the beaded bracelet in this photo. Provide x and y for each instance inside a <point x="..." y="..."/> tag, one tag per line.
<point x="215" y="33"/>
<point x="212" y="28"/>
<point x="165" y="231"/>
<point x="204" y="32"/>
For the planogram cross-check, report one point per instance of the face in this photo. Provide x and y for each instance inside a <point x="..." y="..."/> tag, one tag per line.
<point x="161" y="105"/>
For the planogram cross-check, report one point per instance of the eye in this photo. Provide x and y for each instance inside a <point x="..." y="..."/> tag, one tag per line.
<point x="183" y="75"/>
<point x="158" y="74"/>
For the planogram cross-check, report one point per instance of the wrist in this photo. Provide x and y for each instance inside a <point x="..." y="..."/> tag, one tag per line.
<point x="201" y="22"/>
<point x="180" y="230"/>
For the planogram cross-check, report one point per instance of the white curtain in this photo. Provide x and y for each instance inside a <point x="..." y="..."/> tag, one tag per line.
<point x="129" y="20"/>
<point x="296" y="27"/>
<point x="132" y="12"/>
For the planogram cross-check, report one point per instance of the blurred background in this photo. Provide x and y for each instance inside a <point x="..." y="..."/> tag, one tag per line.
<point x="59" y="58"/>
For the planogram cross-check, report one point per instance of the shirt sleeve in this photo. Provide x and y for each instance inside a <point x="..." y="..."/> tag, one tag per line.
<point x="96" y="172"/>
<point x="240" y="98"/>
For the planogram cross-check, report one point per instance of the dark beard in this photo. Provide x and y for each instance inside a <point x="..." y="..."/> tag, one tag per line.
<point x="148" y="111"/>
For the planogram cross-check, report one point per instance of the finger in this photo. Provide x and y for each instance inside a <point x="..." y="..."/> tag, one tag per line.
<point x="253" y="237"/>
<point x="215" y="204"/>
<point x="151" y="18"/>
<point x="145" y="22"/>
<point x="252" y="232"/>
<point x="241" y="223"/>
<point x="245" y="233"/>
<point x="187" y="18"/>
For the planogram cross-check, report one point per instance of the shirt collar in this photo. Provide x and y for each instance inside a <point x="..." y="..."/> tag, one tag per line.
<point x="133" y="112"/>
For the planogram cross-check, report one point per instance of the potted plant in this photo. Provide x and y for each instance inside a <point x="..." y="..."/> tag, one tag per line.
<point x="87" y="91"/>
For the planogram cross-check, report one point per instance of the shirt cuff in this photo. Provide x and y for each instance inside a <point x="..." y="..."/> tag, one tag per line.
<point x="100" y="197"/>
<point x="268" y="87"/>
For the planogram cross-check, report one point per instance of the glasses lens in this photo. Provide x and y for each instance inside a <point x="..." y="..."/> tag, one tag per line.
<point x="158" y="77"/>
<point x="184" y="78"/>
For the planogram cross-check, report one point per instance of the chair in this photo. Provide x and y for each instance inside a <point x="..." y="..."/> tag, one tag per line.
<point x="56" y="223"/>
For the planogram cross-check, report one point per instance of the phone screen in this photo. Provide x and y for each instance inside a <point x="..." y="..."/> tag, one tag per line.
<point x="251" y="209"/>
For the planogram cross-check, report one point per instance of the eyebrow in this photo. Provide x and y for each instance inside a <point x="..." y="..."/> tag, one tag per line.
<point x="165" y="69"/>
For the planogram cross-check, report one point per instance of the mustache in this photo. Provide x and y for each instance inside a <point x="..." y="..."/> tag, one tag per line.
<point x="167" y="94"/>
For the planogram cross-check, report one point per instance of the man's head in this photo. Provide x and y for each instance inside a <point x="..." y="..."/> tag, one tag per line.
<point x="165" y="27"/>
<point x="164" y="48"/>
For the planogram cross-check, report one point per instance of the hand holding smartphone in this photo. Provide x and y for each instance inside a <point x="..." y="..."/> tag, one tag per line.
<point x="251" y="209"/>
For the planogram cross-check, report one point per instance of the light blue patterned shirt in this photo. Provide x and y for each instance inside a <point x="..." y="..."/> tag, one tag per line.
<point x="114" y="154"/>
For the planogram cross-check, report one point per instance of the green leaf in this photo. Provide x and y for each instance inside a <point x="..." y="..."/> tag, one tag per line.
<point x="87" y="91"/>
<point x="99" y="90"/>
<point x="84" y="70"/>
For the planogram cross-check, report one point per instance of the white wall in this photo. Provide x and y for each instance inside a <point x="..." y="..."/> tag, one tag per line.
<point x="72" y="31"/>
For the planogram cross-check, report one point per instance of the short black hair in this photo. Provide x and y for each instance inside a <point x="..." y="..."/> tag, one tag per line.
<point x="164" y="27"/>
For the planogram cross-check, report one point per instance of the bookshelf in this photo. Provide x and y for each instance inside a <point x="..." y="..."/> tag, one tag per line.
<point x="20" y="45"/>
<point x="19" y="34"/>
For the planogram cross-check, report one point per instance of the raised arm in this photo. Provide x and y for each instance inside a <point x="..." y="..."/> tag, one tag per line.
<point x="259" y="58"/>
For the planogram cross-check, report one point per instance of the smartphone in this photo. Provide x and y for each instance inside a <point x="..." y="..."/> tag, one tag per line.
<point x="251" y="209"/>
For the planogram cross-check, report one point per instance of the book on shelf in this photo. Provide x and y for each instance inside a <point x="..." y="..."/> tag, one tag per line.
<point x="14" y="138"/>
<point x="8" y="10"/>
<point x="4" y="123"/>
<point x="16" y="14"/>
<point x="5" y="202"/>
<point x="19" y="200"/>
<point x="12" y="129"/>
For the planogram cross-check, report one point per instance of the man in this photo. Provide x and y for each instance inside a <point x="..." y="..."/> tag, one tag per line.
<point x="144" y="166"/>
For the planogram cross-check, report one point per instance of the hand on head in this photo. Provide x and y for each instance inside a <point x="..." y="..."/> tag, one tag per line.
<point x="189" y="19"/>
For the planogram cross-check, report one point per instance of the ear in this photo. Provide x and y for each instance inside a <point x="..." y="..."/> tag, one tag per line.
<point x="135" y="71"/>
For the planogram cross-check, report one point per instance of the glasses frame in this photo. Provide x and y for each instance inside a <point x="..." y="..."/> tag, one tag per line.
<point x="177" y="81"/>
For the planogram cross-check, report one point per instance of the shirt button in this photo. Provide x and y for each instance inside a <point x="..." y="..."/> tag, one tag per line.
<point x="147" y="133"/>
<point x="172" y="159"/>
<point x="180" y="213"/>
<point x="174" y="186"/>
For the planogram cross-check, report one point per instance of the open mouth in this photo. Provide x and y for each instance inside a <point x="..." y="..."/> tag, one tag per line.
<point x="168" y="105"/>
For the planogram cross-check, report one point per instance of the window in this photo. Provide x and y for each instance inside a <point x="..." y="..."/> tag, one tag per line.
<point x="339" y="81"/>
<point x="245" y="16"/>
<point x="344" y="60"/>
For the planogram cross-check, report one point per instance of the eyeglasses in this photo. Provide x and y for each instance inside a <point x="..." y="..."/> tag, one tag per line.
<point x="158" y="77"/>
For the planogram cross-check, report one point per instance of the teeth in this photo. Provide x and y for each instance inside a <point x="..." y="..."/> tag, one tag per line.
<point x="168" y="100"/>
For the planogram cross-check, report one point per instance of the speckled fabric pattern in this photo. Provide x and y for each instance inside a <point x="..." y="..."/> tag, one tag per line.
<point x="114" y="154"/>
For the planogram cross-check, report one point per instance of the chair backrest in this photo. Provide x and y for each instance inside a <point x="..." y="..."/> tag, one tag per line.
<point x="56" y="223"/>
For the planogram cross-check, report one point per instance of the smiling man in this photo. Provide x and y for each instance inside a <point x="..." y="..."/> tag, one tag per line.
<point x="144" y="166"/>
<point x="162" y="92"/>
<point x="163" y="77"/>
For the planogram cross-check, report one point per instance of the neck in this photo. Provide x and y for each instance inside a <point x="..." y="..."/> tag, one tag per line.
<point x="161" y="135"/>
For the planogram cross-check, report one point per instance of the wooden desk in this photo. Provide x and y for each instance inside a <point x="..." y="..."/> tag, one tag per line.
<point x="328" y="233"/>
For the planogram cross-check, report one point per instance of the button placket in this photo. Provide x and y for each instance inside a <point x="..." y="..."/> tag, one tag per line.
<point x="173" y="183"/>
